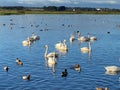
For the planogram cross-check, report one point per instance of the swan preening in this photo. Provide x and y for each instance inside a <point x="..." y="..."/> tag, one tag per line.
<point x="30" y="40"/>
<point x="86" y="49"/>
<point x="61" y="46"/>
<point x="112" y="69"/>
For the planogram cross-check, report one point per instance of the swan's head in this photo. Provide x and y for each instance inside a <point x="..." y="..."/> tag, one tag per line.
<point x="46" y="46"/>
<point x="64" y="41"/>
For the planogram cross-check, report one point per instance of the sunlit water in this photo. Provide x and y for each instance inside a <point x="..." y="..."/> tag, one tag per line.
<point x="51" y="29"/>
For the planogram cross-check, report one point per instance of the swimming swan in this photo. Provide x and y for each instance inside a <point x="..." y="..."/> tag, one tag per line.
<point x="82" y="38"/>
<point x="52" y="54"/>
<point x="112" y="68"/>
<point x="62" y="46"/>
<point x="86" y="49"/>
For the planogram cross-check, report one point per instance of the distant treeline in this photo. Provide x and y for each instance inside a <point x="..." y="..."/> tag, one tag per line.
<point x="58" y="8"/>
<point x="9" y="10"/>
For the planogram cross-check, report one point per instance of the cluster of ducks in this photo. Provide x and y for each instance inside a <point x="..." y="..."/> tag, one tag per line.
<point x="19" y="62"/>
<point x="30" y="40"/>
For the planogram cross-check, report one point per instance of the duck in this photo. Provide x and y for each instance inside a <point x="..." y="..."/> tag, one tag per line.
<point x="6" y="68"/>
<point x="27" y="77"/>
<point x="19" y="62"/>
<point x="51" y="54"/>
<point x="77" y="67"/>
<point x="86" y="49"/>
<point x="35" y="37"/>
<point x="64" y="73"/>
<point x="112" y="68"/>
<point x="99" y="88"/>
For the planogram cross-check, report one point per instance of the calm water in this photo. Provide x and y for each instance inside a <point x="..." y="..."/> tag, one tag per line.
<point x="51" y="29"/>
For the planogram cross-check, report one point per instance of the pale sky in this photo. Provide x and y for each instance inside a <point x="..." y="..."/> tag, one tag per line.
<point x="72" y="3"/>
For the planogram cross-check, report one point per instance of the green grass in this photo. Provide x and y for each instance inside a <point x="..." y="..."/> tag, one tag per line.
<point x="17" y="12"/>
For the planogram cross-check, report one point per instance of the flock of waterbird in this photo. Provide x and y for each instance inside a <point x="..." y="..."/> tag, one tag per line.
<point x="51" y="58"/>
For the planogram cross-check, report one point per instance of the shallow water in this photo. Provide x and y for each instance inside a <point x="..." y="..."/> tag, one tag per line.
<point x="51" y="29"/>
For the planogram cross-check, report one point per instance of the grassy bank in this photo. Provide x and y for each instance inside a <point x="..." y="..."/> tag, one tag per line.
<point x="18" y="12"/>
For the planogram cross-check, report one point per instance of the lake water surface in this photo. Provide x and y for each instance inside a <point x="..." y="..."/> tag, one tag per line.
<point x="51" y="29"/>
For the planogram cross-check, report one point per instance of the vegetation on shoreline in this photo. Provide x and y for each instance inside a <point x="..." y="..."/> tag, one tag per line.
<point x="17" y="10"/>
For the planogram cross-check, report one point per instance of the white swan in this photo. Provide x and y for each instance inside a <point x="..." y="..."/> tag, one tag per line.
<point x="82" y="38"/>
<point x="92" y="38"/>
<point x="27" y="42"/>
<point x="112" y="68"/>
<point x="61" y="46"/>
<point x="47" y="55"/>
<point x="58" y="45"/>
<point x="86" y="49"/>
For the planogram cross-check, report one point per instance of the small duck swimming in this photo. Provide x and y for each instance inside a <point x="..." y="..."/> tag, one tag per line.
<point x="77" y="67"/>
<point x="27" y="77"/>
<point x="19" y="62"/>
<point x="64" y="73"/>
<point x="6" y="68"/>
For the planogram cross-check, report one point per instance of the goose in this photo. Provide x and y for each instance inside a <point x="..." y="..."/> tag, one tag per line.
<point x="19" y="62"/>
<point x="77" y="67"/>
<point x="27" y="77"/>
<point x="86" y="49"/>
<point x="6" y="68"/>
<point x="82" y="38"/>
<point x="98" y="88"/>
<point x="64" y="73"/>
<point x="47" y="55"/>
<point x="112" y="68"/>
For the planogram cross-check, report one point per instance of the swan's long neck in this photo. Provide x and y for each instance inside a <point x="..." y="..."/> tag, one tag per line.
<point x="64" y="43"/>
<point x="89" y="45"/>
<point x="46" y="52"/>
<point x="78" y="34"/>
